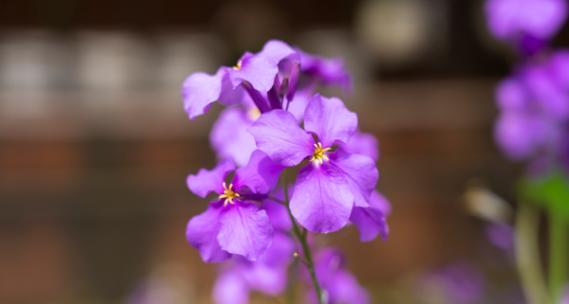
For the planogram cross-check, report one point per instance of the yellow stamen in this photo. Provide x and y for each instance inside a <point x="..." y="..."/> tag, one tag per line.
<point x="319" y="156"/>
<point x="228" y="194"/>
<point x="254" y="113"/>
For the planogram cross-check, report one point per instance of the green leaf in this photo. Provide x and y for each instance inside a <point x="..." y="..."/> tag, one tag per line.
<point x="550" y="191"/>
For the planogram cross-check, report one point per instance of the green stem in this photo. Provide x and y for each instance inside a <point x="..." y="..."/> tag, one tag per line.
<point x="527" y="255"/>
<point x="557" y="255"/>
<point x="308" y="260"/>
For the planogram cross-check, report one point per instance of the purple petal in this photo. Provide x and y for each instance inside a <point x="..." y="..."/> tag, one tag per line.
<point x="371" y="221"/>
<point x="277" y="133"/>
<point x="560" y="66"/>
<point x="344" y="288"/>
<point x="257" y="71"/>
<point x="322" y="200"/>
<point x="553" y="100"/>
<point x="511" y="95"/>
<point x="326" y="71"/>
<point x="201" y="233"/>
<point x="297" y="106"/>
<point x="245" y="230"/>
<point x="275" y="51"/>
<point x="365" y="144"/>
<point x="377" y="200"/>
<point x="200" y="90"/>
<point x="260" y="175"/>
<point x="230" y="138"/>
<point x="340" y="285"/>
<point x="260" y="69"/>
<point x="207" y="181"/>
<point x="510" y="19"/>
<point x="278" y="215"/>
<point x="520" y="135"/>
<point x="269" y="274"/>
<point x="230" y="288"/>
<point x="330" y="120"/>
<point x="360" y="174"/>
<point x="230" y="94"/>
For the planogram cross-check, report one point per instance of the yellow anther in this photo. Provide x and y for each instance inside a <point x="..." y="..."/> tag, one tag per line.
<point x="319" y="156"/>
<point x="228" y="194"/>
<point x="253" y="113"/>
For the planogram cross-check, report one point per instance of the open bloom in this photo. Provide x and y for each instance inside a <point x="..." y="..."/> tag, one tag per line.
<point x="528" y="24"/>
<point x="233" y="223"/>
<point x="269" y="78"/>
<point x="333" y="180"/>
<point x="338" y="284"/>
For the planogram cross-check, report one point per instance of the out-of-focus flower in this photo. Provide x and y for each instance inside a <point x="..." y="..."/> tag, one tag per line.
<point x="501" y="235"/>
<point x="458" y="283"/>
<point x="528" y="24"/>
<point x="338" y="284"/>
<point x="534" y="109"/>
<point x="233" y="222"/>
<point x="267" y="275"/>
<point x="333" y="180"/>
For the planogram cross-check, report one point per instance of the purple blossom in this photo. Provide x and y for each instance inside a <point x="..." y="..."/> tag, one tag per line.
<point x="233" y="223"/>
<point x="339" y="285"/>
<point x="274" y="120"/>
<point x="269" y="78"/>
<point x="333" y="180"/>
<point x="534" y="109"/>
<point x="528" y="24"/>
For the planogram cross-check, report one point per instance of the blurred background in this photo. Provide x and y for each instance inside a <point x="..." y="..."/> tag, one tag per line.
<point x="95" y="145"/>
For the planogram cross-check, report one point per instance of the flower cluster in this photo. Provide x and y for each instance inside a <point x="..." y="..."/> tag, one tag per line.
<point x="534" y="100"/>
<point x="291" y="163"/>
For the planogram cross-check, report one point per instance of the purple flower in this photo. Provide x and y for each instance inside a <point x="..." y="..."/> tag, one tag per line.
<point x="333" y="180"/>
<point x="267" y="275"/>
<point x="269" y="79"/>
<point x="534" y="109"/>
<point x="339" y="285"/>
<point x="526" y="23"/>
<point x="254" y="73"/>
<point x="233" y="222"/>
<point x="365" y="144"/>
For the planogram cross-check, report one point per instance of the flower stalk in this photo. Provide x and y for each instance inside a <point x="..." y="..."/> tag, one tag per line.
<point x="527" y="255"/>
<point x="302" y="238"/>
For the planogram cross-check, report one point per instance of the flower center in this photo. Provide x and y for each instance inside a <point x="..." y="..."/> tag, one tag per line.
<point x="319" y="155"/>
<point x="228" y="194"/>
